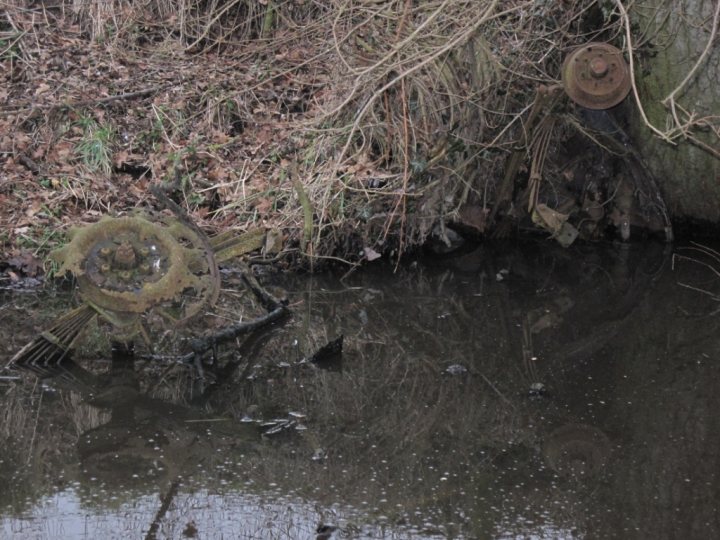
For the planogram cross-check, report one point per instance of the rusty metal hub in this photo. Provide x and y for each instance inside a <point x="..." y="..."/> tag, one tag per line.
<point x="596" y="76"/>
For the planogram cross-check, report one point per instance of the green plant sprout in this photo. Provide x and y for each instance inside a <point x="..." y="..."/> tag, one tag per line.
<point x="95" y="147"/>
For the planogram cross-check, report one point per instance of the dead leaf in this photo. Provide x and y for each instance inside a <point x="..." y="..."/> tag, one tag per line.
<point x="474" y="216"/>
<point x="27" y="263"/>
<point x="556" y="223"/>
<point x="42" y="88"/>
<point x="263" y="205"/>
<point x="218" y="174"/>
<point x="121" y="157"/>
<point x="371" y="254"/>
<point x="35" y="207"/>
<point x="547" y="218"/>
<point x="273" y="242"/>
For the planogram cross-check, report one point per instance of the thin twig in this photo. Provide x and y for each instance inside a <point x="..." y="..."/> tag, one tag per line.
<point x="89" y="102"/>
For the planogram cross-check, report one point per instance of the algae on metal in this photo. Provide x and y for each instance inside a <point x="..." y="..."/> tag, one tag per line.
<point x="131" y="264"/>
<point x="138" y="269"/>
<point x="230" y="244"/>
<point x="128" y="266"/>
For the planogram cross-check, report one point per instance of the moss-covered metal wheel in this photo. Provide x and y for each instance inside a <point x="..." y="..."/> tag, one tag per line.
<point x="133" y="265"/>
<point x="143" y="268"/>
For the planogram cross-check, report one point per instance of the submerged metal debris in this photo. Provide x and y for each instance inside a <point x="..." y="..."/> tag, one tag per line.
<point x="145" y="267"/>
<point x="54" y="344"/>
<point x="578" y="450"/>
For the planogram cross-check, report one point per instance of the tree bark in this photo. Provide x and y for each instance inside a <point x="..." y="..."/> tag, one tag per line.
<point x="670" y="36"/>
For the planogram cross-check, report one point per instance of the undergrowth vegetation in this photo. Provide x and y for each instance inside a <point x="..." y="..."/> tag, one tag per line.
<point x="356" y="128"/>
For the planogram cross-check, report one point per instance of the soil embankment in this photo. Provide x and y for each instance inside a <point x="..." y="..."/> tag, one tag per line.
<point x="348" y="131"/>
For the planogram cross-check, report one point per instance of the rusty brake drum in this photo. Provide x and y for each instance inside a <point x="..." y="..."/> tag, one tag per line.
<point x="596" y="76"/>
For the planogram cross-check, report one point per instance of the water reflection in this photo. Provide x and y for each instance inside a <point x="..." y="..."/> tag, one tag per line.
<point x="497" y="394"/>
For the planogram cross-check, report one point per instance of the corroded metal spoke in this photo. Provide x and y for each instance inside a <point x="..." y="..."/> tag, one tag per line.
<point x="53" y="344"/>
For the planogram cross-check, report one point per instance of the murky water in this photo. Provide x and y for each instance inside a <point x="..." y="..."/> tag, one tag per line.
<point x="525" y="393"/>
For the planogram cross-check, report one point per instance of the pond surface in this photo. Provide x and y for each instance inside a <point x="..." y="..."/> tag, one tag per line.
<point x="528" y="392"/>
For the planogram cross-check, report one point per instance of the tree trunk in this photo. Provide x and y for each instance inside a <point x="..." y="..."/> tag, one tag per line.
<point x="670" y="36"/>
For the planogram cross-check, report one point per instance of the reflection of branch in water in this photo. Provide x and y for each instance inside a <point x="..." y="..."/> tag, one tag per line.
<point x="697" y="289"/>
<point x="708" y="252"/>
<point x="201" y="345"/>
<point x="528" y="354"/>
<point x="588" y="345"/>
<point x="249" y="350"/>
<point x="713" y="254"/>
<point x="37" y="418"/>
<point x="277" y="309"/>
<point x="498" y="392"/>
<point x="166" y="501"/>
<point x="696" y="261"/>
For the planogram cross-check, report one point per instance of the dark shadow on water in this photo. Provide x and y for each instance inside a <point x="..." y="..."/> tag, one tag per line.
<point x="501" y="393"/>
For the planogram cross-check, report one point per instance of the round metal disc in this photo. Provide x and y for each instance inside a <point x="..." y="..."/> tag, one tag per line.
<point x="136" y="264"/>
<point x="596" y="76"/>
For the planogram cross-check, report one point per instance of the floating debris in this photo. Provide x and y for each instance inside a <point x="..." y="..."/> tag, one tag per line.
<point x="278" y="426"/>
<point x="318" y="455"/>
<point x="537" y="390"/>
<point x="329" y="356"/>
<point x="455" y="369"/>
<point x="325" y="531"/>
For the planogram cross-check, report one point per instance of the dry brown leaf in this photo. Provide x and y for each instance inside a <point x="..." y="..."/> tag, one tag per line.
<point x="35" y="207"/>
<point x="42" y="88"/>
<point x="263" y="205"/>
<point x="27" y="263"/>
